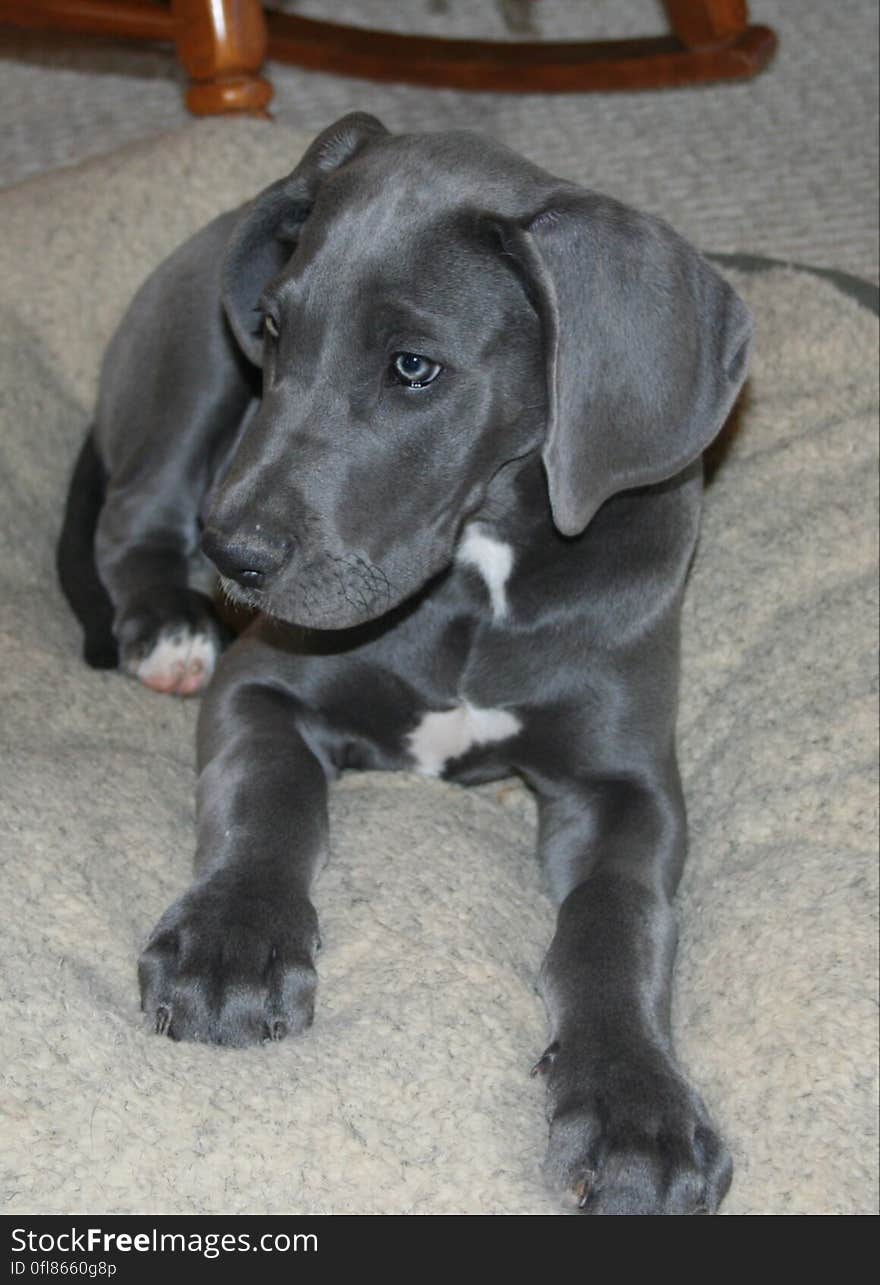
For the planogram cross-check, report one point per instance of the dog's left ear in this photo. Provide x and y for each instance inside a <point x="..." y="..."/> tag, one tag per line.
<point x="265" y="236"/>
<point x="646" y="347"/>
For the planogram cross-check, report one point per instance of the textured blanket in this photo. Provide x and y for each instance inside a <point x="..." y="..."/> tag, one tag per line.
<point x="411" y="1092"/>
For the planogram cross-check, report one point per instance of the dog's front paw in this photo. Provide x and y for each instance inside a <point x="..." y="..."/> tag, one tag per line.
<point x="230" y="969"/>
<point x="170" y="640"/>
<point x="629" y="1135"/>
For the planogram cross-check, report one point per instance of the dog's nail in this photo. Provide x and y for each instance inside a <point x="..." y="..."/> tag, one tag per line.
<point x="546" y="1060"/>
<point x="163" y="1019"/>
<point x="584" y="1189"/>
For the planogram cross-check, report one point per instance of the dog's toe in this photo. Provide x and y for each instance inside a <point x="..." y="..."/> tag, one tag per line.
<point x="171" y="640"/>
<point x="180" y="662"/>
<point x="631" y="1137"/>
<point x="226" y="971"/>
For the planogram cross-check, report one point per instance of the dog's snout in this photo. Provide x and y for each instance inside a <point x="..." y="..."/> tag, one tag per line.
<point x="251" y="560"/>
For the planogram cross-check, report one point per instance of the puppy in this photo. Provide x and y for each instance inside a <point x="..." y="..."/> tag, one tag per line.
<point x="437" y="417"/>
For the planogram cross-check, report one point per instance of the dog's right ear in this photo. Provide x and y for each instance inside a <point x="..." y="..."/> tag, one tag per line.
<point x="262" y="241"/>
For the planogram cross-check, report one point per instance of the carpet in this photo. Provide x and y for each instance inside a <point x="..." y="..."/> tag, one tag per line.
<point x="784" y="165"/>
<point x="411" y="1092"/>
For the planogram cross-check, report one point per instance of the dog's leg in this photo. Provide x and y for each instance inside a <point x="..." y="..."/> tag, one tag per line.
<point x="168" y="634"/>
<point x="128" y="583"/>
<point x="147" y="543"/>
<point x="628" y="1134"/>
<point x="174" y="395"/>
<point x="232" y="961"/>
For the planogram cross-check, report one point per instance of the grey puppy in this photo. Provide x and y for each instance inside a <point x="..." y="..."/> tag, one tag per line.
<point x="438" y="417"/>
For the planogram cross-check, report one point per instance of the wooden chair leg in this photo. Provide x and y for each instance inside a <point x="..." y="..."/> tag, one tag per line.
<point x="222" y="45"/>
<point x="711" y="40"/>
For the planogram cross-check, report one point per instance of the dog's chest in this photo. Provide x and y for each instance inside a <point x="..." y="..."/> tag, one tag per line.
<point x="443" y="735"/>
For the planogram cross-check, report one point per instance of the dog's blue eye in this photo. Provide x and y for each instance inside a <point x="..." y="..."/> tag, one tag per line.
<point x="414" y="370"/>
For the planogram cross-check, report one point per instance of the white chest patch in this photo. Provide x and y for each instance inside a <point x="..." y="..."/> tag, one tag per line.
<point x="494" y="561"/>
<point x="445" y="734"/>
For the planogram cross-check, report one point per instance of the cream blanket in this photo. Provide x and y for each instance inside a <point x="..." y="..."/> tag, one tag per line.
<point x="411" y="1092"/>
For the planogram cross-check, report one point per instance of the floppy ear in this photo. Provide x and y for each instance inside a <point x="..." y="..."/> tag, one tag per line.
<point x="264" y="237"/>
<point x="646" y="348"/>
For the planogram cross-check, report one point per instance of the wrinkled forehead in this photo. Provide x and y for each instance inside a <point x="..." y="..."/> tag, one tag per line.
<point x="402" y="225"/>
<point x="355" y="231"/>
<point x="407" y="200"/>
<point x="436" y="172"/>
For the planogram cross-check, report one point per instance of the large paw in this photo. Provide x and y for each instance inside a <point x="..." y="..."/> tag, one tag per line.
<point x="234" y="970"/>
<point x="630" y="1136"/>
<point x="170" y="640"/>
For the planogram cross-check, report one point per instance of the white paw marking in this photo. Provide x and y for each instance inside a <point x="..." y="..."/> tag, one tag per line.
<point x="181" y="663"/>
<point x="446" y="734"/>
<point x="494" y="561"/>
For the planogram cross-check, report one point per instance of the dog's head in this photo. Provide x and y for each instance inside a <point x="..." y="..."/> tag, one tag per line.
<point x="428" y="309"/>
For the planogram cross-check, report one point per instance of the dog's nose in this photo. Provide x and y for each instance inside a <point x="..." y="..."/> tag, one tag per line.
<point x="250" y="560"/>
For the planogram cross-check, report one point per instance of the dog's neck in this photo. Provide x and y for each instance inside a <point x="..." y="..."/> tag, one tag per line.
<point x="511" y="537"/>
<point x="516" y="507"/>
